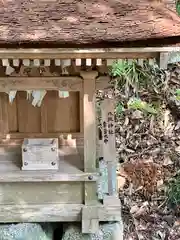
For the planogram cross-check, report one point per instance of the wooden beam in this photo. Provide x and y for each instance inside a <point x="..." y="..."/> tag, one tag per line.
<point x="66" y="173"/>
<point x="72" y="53"/>
<point x="49" y="83"/>
<point x="53" y="213"/>
<point x="65" y="139"/>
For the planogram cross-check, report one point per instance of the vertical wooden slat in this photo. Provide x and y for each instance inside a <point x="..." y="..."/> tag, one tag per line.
<point x="89" y="114"/>
<point x="12" y="116"/>
<point x="44" y="127"/>
<point x="163" y="62"/>
<point x="29" y="117"/>
<point x="81" y="122"/>
<point x="109" y="149"/>
<point x="74" y="112"/>
<point x="58" y="113"/>
<point x="4" y="128"/>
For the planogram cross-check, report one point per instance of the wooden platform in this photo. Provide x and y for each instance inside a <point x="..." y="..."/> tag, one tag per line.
<point x="10" y="171"/>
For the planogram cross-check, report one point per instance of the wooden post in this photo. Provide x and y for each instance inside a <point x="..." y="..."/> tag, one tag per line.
<point x="90" y="222"/>
<point x="109" y="150"/>
<point x="163" y="61"/>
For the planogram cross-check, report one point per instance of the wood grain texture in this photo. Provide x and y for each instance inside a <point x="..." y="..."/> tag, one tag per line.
<point x="69" y="168"/>
<point x="53" y="213"/>
<point x="40" y="193"/>
<point x="4" y="126"/>
<point x="29" y="117"/>
<point x="89" y="124"/>
<point x="62" y="113"/>
<point x="12" y="116"/>
<point x="65" y="83"/>
<point x="109" y="149"/>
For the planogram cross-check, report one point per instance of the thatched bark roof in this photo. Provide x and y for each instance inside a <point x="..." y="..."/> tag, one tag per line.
<point x="86" y="21"/>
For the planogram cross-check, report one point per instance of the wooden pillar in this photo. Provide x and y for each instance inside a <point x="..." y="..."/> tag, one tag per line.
<point x="90" y="222"/>
<point x="109" y="151"/>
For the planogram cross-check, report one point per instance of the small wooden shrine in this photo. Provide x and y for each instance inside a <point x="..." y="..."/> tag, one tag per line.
<point x="53" y="59"/>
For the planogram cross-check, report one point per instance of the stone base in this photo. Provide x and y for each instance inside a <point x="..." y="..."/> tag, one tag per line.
<point x="25" y="231"/>
<point x="107" y="231"/>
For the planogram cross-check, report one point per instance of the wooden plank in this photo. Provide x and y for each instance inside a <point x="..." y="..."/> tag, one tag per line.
<point x="41" y="192"/>
<point x="73" y="53"/>
<point x="44" y="112"/>
<point x="29" y="117"/>
<point x="12" y="116"/>
<point x="22" y="212"/>
<point x="163" y="61"/>
<point x="74" y="111"/>
<point x="49" y="83"/>
<point x="38" y="83"/>
<point x="66" y="173"/>
<point x="109" y="149"/>
<point x="70" y="152"/>
<point x="4" y="128"/>
<point x="62" y="113"/>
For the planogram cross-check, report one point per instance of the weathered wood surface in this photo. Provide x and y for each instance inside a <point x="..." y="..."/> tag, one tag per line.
<point x="109" y="148"/>
<point x="26" y="193"/>
<point x="73" y="53"/>
<point x="70" y="166"/>
<point x="163" y="60"/>
<point x="89" y="114"/>
<point x="53" y="213"/>
<point x="48" y="118"/>
<point x="49" y="83"/>
<point x="40" y="154"/>
<point x="10" y="172"/>
<point x="89" y="224"/>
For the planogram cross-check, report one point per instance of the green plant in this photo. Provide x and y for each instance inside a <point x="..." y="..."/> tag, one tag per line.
<point x="131" y="80"/>
<point x="178" y="7"/>
<point x="173" y="192"/>
<point x="177" y="94"/>
<point x="138" y="104"/>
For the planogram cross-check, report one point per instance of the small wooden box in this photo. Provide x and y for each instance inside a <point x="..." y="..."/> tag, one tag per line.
<point x="40" y="154"/>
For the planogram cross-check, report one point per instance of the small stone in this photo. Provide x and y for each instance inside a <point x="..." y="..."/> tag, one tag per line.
<point x="108" y="231"/>
<point x="26" y="231"/>
<point x="177" y="149"/>
<point x="137" y="114"/>
<point x="167" y="161"/>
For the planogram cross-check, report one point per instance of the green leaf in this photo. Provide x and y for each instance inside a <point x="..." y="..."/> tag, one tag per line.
<point x="119" y="109"/>
<point x="178" y="7"/>
<point x="177" y="92"/>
